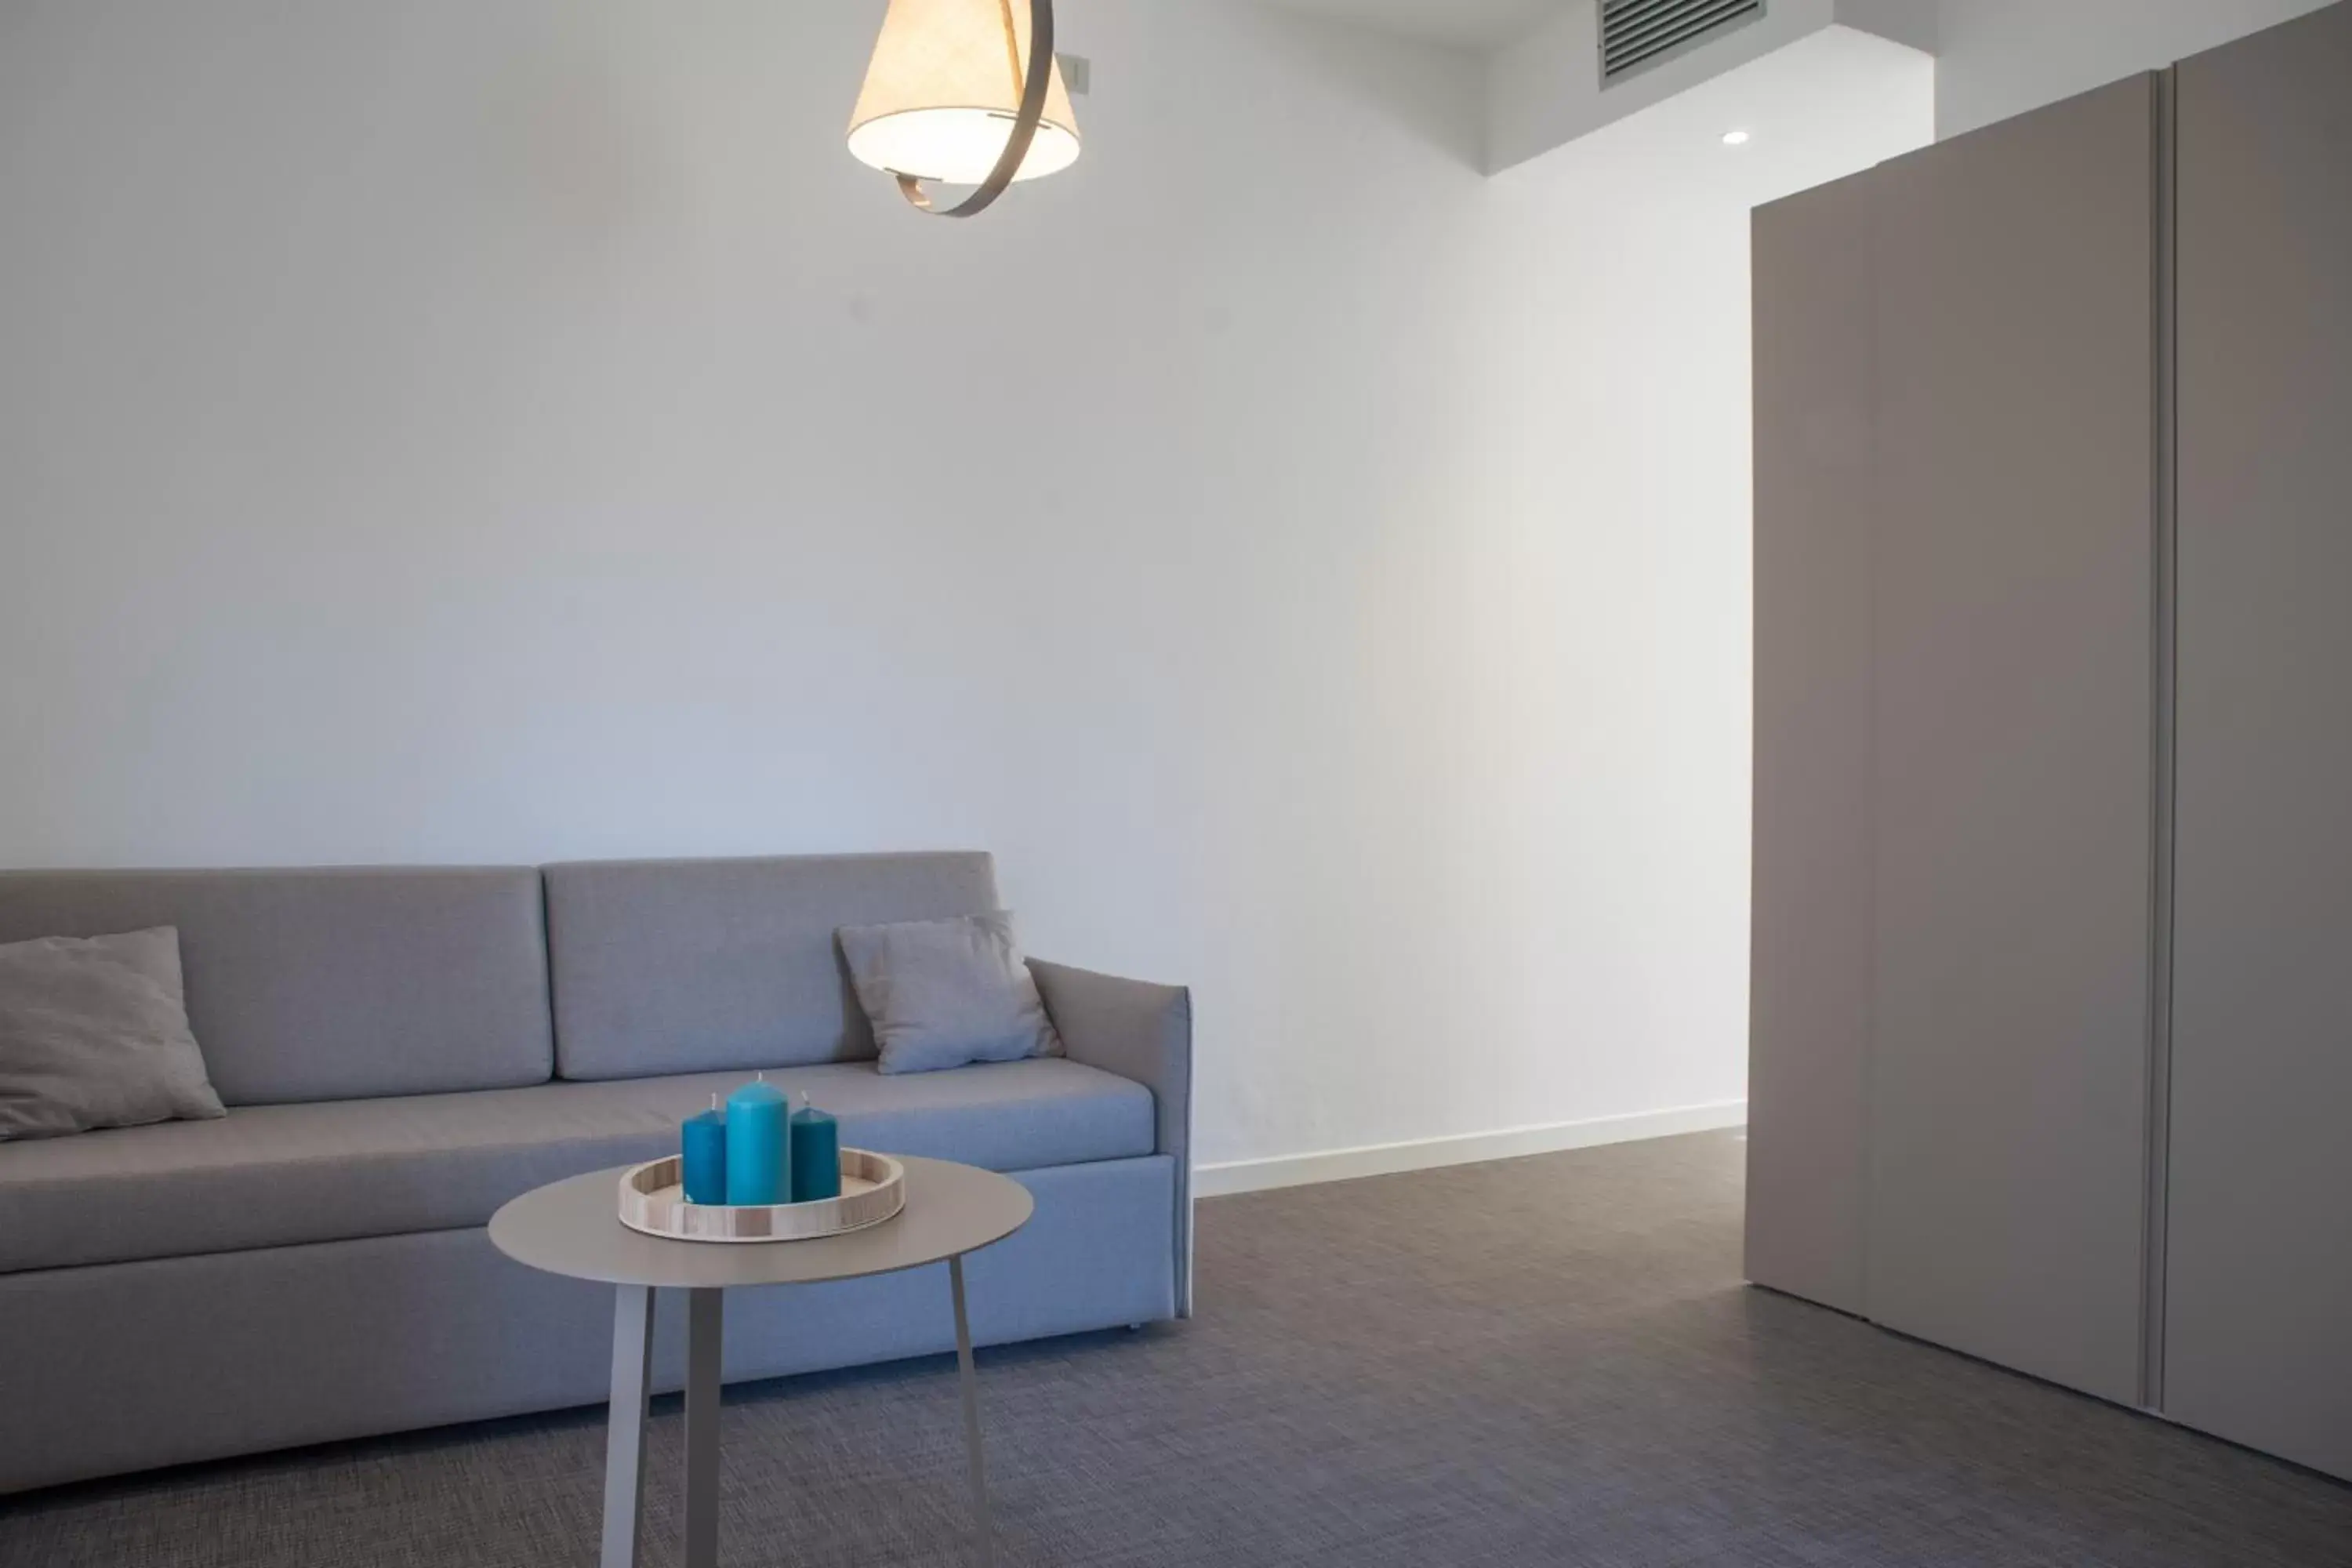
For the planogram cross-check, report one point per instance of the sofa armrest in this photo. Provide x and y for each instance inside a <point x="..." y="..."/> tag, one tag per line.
<point x="1131" y="1027"/>
<point x="1142" y="1031"/>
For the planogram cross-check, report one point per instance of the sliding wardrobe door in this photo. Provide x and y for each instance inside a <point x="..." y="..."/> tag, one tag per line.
<point x="2014" y="733"/>
<point x="1808" y="997"/>
<point x="2258" y="1304"/>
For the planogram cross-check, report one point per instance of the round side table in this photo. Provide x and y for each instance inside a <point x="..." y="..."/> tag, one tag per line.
<point x="572" y="1228"/>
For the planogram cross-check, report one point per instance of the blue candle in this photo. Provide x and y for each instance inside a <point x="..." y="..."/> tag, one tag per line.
<point x="706" y="1155"/>
<point x="759" y="1139"/>
<point x="816" y="1155"/>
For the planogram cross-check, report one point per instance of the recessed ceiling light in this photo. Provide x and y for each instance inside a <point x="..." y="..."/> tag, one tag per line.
<point x="1734" y="138"/>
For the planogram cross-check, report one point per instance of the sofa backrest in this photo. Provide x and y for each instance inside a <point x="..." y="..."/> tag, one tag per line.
<point x="331" y="984"/>
<point x="677" y="967"/>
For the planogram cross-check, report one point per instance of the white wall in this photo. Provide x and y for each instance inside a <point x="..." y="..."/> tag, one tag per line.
<point x="450" y="432"/>
<point x="2000" y="57"/>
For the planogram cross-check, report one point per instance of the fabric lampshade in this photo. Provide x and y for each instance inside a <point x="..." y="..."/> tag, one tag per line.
<point x="945" y="88"/>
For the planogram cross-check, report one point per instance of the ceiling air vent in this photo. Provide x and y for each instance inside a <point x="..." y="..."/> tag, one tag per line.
<point x="1638" y="34"/>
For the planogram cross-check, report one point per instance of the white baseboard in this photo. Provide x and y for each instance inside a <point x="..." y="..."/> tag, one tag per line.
<point x="1464" y="1148"/>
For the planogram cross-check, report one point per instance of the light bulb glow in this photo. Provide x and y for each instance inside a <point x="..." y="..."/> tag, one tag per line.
<point x="957" y="146"/>
<point x="1734" y="138"/>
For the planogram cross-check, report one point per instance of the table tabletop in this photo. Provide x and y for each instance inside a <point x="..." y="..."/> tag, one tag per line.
<point x="573" y="1227"/>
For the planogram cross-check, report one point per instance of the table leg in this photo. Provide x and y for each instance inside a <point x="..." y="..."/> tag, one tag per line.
<point x="624" y="1423"/>
<point x="971" y="1416"/>
<point x="705" y="1333"/>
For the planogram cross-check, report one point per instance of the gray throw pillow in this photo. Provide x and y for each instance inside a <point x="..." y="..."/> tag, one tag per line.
<point x="94" y="1033"/>
<point x="942" y="994"/>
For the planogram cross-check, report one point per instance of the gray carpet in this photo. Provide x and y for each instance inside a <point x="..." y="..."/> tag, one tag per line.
<point x="1571" y="1375"/>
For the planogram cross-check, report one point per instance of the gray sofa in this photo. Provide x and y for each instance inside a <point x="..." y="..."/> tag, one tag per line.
<point x="402" y="1050"/>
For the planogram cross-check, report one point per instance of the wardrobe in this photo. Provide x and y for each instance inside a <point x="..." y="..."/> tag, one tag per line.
<point x="2050" y="1050"/>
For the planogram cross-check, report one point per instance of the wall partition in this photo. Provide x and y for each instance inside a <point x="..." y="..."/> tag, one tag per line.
<point x="2258" y="1258"/>
<point x="2050" y="1043"/>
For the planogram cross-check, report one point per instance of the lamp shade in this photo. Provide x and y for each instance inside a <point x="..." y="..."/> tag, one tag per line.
<point x="944" y="90"/>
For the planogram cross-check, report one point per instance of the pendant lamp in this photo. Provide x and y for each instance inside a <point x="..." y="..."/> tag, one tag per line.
<point x="966" y="92"/>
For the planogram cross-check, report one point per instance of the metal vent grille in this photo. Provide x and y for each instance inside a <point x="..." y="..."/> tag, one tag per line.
<point x="1637" y="34"/>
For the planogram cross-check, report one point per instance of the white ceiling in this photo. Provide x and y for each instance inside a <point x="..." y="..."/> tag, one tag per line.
<point x="1464" y="24"/>
<point x="1817" y="110"/>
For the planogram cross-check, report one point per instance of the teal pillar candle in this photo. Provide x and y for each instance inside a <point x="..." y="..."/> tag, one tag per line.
<point x="704" y="1140"/>
<point x="758" y="1144"/>
<point x="816" y="1155"/>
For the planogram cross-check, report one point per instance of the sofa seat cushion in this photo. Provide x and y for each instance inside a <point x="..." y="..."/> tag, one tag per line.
<point x="277" y="1175"/>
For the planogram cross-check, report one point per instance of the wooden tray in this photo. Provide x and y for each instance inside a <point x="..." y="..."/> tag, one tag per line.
<point x="873" y="1189"/>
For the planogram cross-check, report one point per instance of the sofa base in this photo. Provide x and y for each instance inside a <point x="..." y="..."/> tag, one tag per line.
<point x="127" y="1366"/>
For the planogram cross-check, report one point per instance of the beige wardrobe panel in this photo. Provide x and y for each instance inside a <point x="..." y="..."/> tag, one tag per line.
<point x="1808" y="997"/>
<point x="2015" y="735"/>
<point x="2258" y="1309"/>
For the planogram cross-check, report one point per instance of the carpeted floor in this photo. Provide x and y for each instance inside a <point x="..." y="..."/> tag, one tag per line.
<point x="1571" y="1374"/>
